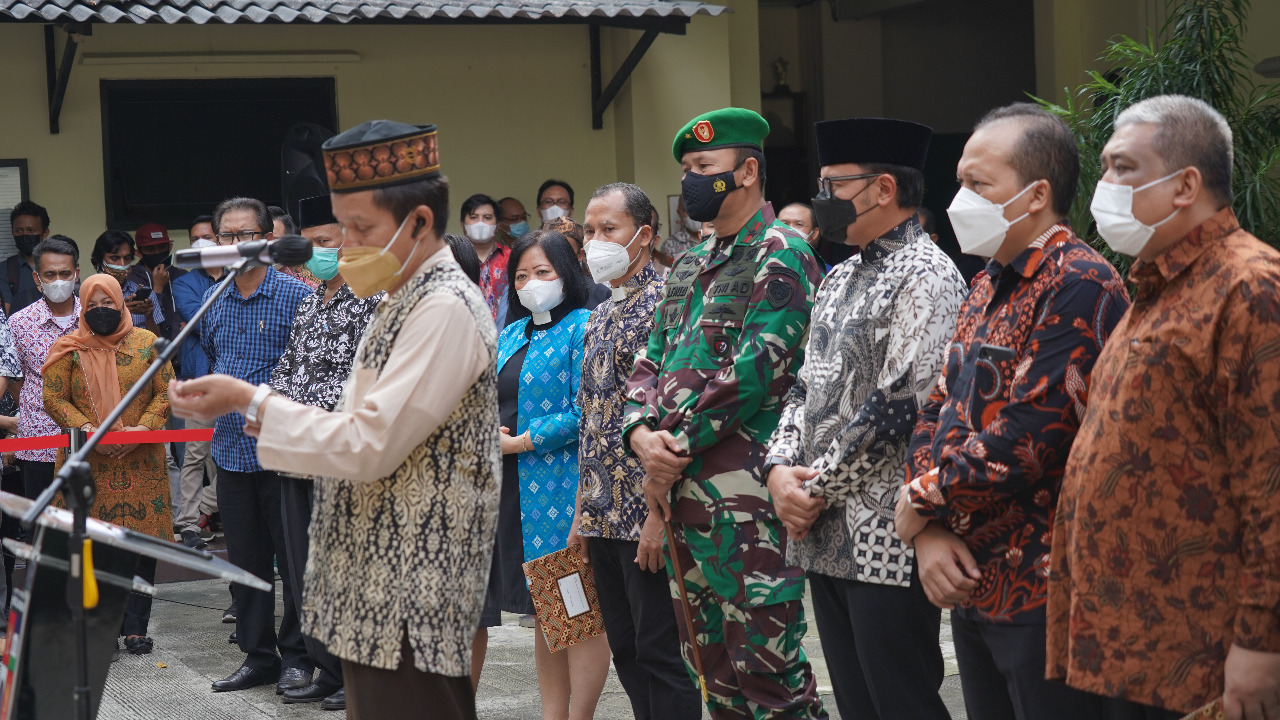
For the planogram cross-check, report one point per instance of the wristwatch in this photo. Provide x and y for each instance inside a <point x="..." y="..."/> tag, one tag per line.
<point x="255" y="405"/>
<point x="772" y="460"/>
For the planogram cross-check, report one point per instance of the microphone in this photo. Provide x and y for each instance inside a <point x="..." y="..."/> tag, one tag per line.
<point x="290" y="250"/>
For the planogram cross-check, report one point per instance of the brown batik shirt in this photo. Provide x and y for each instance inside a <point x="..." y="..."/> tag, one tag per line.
<point x="1166" y="544"/>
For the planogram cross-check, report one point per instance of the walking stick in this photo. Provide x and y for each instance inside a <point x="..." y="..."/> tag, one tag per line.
<point x="684" y="603"/>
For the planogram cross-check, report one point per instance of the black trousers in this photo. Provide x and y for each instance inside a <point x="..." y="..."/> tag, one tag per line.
<point x="296" y="498"/>
<point x="137" y="609"/>
<point x="36" y="476"/>
<point x="250" y="507"/>
<point x="10" y="527"/>
<point x="1002" y="674"/>
<point x="641" y="625"/>
<point x="881" y="647"/>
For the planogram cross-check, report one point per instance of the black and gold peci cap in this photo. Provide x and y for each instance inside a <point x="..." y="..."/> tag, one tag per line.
<point x="380" y="153"/>
<point x="315" y="211"/>
<point x="872" y="141"/>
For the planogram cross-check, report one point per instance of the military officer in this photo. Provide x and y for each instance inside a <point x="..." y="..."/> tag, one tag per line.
<point x="702" y="402"/>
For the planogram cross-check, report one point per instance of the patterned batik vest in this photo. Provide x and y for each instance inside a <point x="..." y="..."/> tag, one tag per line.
<point x="411" y="552"/>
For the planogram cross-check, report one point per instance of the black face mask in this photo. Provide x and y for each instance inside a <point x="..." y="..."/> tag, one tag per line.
<point x="26" y="243"/>
<point x="102" y="320"/>
<point x="835" y="215"/>
<point x="704" y="194"/>
<point x="151" y="260"/>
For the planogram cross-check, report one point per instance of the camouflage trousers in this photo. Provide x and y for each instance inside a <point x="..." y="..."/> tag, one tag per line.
<point x="748" y="618"/>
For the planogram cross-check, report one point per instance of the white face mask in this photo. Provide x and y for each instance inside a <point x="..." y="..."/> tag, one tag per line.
<point x="480" y="232"/>
<point x="201" y="243"/>
<point x="540" y="297"/>
<point x="692" y="225"/>
<point x="553" y="212"/>
<point x="1112" y="209"/>
<point x="58" y="290"/>
<point x="979" y="224"/>
<point x="609" y="260"/>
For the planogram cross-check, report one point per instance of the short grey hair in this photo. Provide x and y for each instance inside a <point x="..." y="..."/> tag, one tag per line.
<point x="257" y="207"/>
<point x="1191" y="133"/>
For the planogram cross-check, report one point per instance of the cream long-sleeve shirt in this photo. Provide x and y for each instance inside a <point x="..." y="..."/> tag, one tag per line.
<point x="437" y="356"/>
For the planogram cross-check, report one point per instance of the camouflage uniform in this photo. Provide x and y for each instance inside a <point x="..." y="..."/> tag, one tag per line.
<point x="728" y="339"/>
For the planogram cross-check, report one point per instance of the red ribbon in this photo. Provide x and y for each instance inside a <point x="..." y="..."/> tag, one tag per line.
<point x="46" y="442"/>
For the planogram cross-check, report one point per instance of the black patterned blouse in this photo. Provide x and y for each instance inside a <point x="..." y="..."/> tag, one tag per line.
<point x="322" y="346"/>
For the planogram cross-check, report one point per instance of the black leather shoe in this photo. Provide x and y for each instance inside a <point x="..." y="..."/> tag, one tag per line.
<point x="293" y="679"/>
<point x="138" y="645"/>
<point x="244" y="678"/>
<point x="336" y="701"/>
<point x="315" y="692"/>
<point x="232" y="638"/>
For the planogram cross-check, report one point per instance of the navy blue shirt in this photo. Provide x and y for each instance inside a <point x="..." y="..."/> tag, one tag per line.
<point x="18" y="286"/>
<point x="188" y="294"/>
<point x="244" y="338"/>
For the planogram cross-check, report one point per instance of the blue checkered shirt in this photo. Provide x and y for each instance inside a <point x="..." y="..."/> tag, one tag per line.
<point x="244" y="338"/>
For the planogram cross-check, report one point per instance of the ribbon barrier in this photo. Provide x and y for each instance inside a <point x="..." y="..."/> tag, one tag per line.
<point x="141" y="437"/>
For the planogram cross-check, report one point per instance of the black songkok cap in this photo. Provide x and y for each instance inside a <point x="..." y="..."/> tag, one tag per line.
<point x="380" y="153"/>
<point x="872" y="141"/>
<point x="315" y="211"/>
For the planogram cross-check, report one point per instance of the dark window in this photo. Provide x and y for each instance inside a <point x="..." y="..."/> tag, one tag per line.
<point x="173" y="149"/>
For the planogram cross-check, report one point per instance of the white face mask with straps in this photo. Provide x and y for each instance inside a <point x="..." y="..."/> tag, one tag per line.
<point x="551" y="213"/>
<point x="540" y="297"/>
<point x="979" y="224"/>
<point x="481" y="232"/>
<point x="1112" y="209"/>
<point x="609" y="260"/>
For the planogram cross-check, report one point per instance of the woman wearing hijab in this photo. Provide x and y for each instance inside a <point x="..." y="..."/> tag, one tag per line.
<point x="87" y="373"/>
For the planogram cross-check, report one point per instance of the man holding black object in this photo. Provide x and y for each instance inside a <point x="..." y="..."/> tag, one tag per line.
<point x="991" y="442"/>
<point x="407" y="495"/>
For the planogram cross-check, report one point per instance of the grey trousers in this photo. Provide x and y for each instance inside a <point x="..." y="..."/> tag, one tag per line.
<point x="196" y="464"/>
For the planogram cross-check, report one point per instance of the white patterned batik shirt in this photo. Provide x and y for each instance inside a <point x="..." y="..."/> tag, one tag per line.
<point x="877" y="343"/>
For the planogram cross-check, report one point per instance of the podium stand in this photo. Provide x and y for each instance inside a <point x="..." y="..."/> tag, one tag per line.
<point x="38" y="673"/>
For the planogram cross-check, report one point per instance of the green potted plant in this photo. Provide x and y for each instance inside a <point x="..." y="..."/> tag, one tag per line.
<point x="1199" y="53"/>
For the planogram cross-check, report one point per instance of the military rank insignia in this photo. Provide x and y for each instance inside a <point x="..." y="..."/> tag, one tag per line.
<point x="704" y="132"/>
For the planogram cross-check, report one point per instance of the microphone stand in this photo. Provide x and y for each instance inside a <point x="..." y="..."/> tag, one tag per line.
<point x="76" y="477"/>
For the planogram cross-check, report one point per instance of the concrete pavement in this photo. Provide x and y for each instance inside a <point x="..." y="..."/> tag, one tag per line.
<point x="192" y="651"/>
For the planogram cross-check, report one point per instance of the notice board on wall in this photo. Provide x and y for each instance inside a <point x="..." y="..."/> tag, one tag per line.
<point x="13" y="190"/>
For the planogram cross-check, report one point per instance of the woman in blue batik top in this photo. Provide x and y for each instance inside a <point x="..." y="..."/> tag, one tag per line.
<point x="539" y="366"/>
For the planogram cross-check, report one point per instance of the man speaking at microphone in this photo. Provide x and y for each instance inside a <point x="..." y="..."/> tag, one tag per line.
<point x="244" y="334"/>
<point x="406" y="496"/>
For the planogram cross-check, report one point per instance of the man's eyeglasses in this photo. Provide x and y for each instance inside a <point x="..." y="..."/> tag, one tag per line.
<point x="824" y="183"/>
<point x="227" y="238"/>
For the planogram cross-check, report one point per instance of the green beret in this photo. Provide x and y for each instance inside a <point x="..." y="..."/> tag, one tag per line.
<point x="725" y="128"/>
